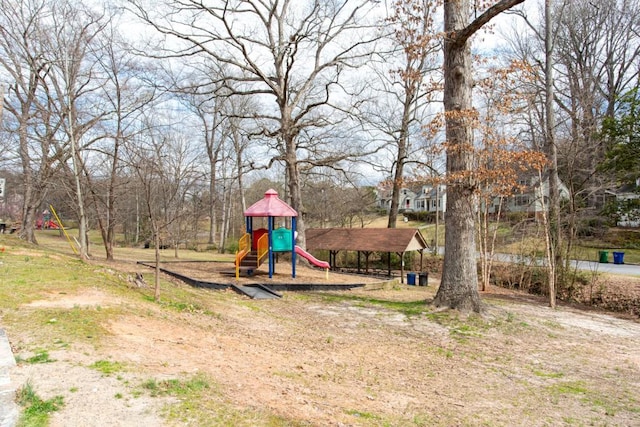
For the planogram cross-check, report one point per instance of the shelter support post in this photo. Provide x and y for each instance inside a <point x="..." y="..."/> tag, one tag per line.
<point x="367" y="254"/>
<point x="333" y="259"/>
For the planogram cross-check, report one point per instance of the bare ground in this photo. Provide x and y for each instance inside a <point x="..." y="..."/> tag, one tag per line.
<point x="348" y="361"/>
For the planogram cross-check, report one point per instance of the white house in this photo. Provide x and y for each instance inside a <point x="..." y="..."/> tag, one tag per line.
<point x="420" y="198"/>
<point x="627" y="195"/>
<point x="532" y="199"/>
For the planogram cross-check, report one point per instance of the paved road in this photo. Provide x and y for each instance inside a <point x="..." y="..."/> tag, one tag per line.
<point x="594" y="266"/>
<point x="625" y="269"/>
<point x="8" y="409"/>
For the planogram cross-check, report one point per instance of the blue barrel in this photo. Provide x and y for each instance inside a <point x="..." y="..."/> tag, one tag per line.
<point x="411" y="279"/>
<point x="618" y="257"/>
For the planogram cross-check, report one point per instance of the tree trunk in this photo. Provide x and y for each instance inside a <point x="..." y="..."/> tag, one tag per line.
<point x="459" y="285"/>
<point x="295" y="192"/>
<point x="395" y="196"/>
<point x="27" y="226"/>
<point x="226" y="200"/>
<point x="212" y="209"/>
<point x="552" y="153"/>
<point x="436" y="241"/>
<point x="32" y="196"/>
<point x="400" y="161"/>
<point x="137" y="237"/>
<point x="156" y="276"/>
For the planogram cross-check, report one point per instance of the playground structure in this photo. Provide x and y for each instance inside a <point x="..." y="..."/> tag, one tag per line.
<point x="259" y="245"/>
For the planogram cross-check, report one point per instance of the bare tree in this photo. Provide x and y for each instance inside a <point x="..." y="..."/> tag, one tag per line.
<point x="126" y="98"/>
<point x="552" y="221"/>
<point x="504" y="163"/>
<point x="459" y="285"/>
<point x="338" y="202"/>
<point x="208" y="111"/>
<point x="163" y="163"/>
<point x="143" y="161"/>
<point x="72" y="81"/>
<point x="292" y="55"/>
<point x="596" y="57"/>
<point x="226" y="130"/>
<point x="29" y="118"/>
<point x="414" y="33"/>
<point x="585" y="55"/>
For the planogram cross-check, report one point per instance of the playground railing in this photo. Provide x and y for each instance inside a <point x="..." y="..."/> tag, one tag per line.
<point x="263" y="247"/>
<point x="244" y="247"/>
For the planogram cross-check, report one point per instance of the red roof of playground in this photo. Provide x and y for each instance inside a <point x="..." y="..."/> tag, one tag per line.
<point x="270" y="205"/>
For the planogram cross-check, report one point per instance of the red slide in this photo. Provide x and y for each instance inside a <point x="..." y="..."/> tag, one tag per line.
<point x="313" y="260"/>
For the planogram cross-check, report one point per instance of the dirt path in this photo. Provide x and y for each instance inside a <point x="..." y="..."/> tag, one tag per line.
<point x="350" y="361"/>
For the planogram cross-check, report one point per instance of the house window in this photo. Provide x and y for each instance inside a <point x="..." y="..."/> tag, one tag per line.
<point x="522" y="200"/>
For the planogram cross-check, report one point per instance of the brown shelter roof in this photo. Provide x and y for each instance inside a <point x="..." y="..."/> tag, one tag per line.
<point x="397" y="240"/>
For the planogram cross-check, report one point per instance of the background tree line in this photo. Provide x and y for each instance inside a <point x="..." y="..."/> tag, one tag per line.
<point x="163" y="120"/>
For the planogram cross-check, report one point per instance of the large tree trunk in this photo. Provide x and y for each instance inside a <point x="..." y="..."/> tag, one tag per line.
<point x="33" y="196"/>
<point x="295" y="192"/>
<point x="459" y="286"/>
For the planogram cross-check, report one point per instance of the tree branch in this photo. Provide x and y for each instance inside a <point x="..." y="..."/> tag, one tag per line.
<point x="460" y="37"/>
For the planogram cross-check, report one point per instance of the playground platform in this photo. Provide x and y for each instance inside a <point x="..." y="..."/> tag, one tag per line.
<point x="215" y="275"/>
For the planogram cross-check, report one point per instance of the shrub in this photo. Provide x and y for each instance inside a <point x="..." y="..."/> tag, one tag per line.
<point x="596" y="227"/>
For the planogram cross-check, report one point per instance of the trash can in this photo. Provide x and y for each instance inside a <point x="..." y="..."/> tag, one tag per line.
<point x="411" y="279"/>
<point x="604" y="256"/>
<point x="618" y="257"/>
<point x="423" y="279"/>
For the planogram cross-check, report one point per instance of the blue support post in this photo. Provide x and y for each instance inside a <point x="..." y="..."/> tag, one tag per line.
<point x="271" y="260"/>
<point x="249" y="227"/>
<point x="293" y="247"/>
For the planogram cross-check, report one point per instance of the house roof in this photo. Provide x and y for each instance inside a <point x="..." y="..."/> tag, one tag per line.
<point x="366" y="239"/>
<point x="270" y="205"/>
